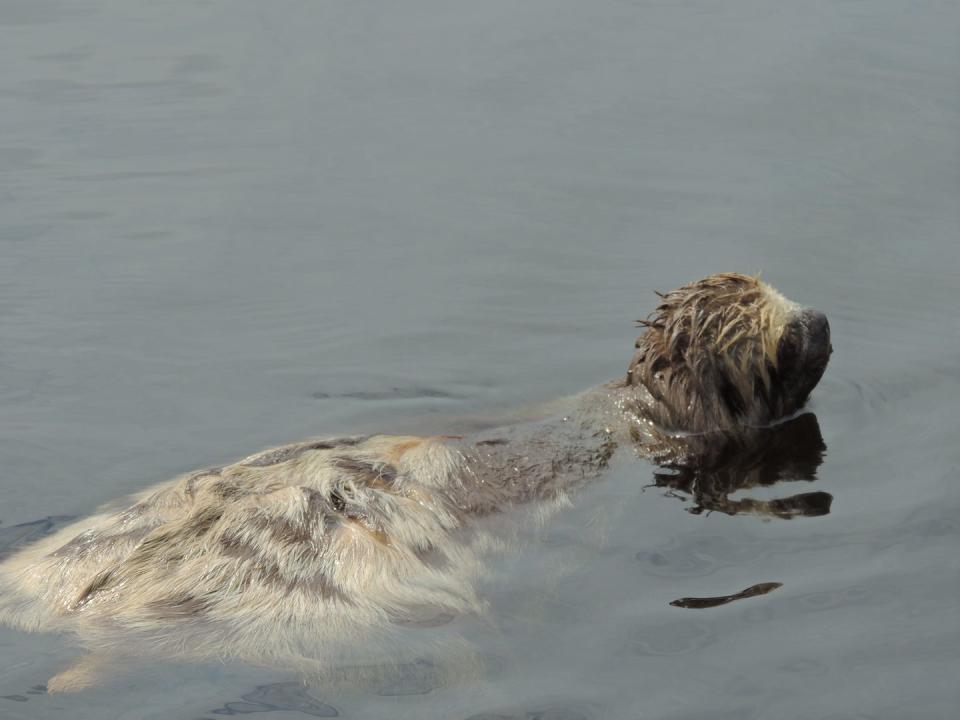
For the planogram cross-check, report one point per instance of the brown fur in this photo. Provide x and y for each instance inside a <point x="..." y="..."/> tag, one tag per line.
<point x="709" y="348"/>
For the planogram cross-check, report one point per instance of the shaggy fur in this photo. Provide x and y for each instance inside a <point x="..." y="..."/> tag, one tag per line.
<point x="291" y="552"/>
<point x="712" y="355"/>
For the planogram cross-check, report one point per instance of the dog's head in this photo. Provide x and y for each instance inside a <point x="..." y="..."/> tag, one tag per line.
<point x="726" y="351"/>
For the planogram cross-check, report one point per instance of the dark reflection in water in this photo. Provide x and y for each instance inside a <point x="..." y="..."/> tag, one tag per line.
<point x="789" y="451"/>
<point x="697" y="603"/>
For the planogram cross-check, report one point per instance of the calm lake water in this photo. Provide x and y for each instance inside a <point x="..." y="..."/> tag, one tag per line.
<point x="225" y="225"/>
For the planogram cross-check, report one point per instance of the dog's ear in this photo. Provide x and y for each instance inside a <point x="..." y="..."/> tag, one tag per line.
<point x="768" y="392"/>
<point x="730" y="395"/>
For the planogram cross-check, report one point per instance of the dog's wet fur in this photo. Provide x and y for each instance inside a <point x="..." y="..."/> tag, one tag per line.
<point x="327" y="540"/>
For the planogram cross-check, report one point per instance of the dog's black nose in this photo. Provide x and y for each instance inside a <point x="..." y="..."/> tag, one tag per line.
<point x="817" y="334"/>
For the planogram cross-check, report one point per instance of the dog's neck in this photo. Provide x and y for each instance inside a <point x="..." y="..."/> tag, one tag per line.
<point x="541" y="460"/>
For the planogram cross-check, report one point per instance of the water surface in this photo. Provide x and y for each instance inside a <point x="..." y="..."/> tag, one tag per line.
<point x="225" y="225"/>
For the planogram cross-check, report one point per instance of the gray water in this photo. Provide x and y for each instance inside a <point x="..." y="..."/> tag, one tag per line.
<point x="225" y="225"/>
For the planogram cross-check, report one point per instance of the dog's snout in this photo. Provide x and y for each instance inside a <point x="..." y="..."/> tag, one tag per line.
<point x="817" y="332"/>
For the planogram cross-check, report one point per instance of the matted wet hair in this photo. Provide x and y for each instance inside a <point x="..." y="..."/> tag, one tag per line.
<point x="708" y="356"/>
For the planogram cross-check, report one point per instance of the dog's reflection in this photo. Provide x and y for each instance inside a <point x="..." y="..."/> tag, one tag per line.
<point x="711" y="473"/>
